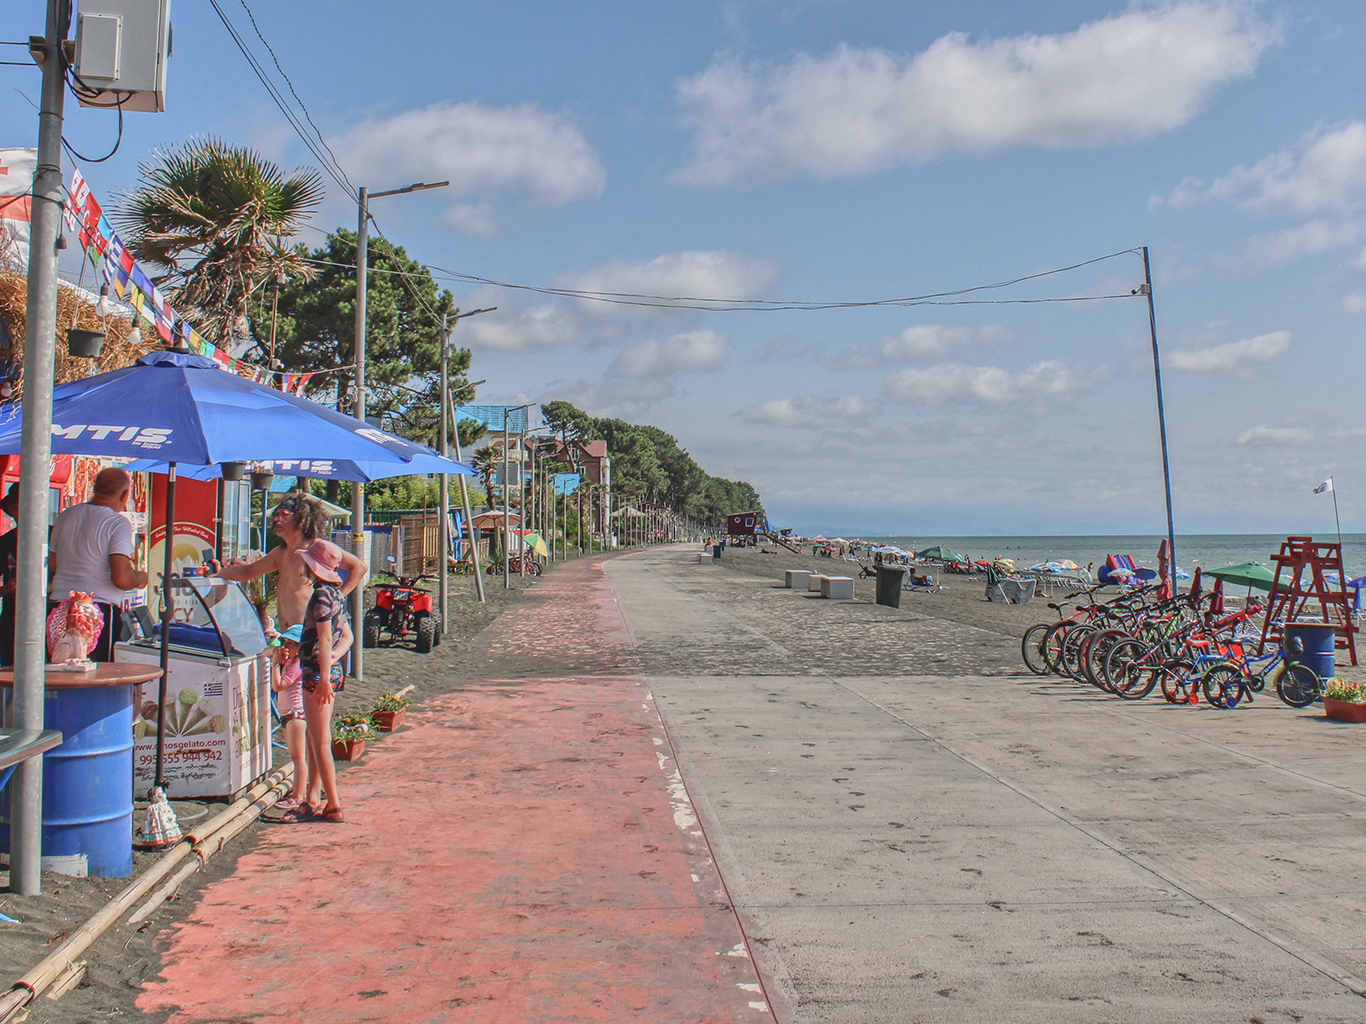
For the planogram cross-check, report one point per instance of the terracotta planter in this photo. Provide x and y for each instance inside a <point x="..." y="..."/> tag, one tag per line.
<point x="388" y="721"/>
<point x="347" y="750"/>
<point x="1344" y="711"/>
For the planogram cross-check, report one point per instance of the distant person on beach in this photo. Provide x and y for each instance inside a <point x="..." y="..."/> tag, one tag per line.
<point x="298" y="521"/>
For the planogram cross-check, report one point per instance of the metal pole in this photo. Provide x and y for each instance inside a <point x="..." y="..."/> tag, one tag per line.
<point x="40" y="341"/>
<point x="168" y="550"/>
<point x="530" y="491"/>
<point x="445" y="479"/>
<point x="465" y="499"/>
<point x="357" y="487"/>
<point x="1161" y="422"/>
<point x="1333" y="487"/>
<point x="506" y="545"/>
<point x="521" y="498"/>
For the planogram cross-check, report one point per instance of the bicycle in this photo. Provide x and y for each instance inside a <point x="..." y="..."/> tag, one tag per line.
<point x="1225" y="685"/>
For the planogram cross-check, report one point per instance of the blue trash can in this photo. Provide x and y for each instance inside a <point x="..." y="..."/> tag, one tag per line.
<point x="87" y="780"/>
<point x="1313" y="644"/>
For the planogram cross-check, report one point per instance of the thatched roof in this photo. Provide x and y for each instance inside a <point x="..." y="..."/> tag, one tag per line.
<point x="71" y="302"/>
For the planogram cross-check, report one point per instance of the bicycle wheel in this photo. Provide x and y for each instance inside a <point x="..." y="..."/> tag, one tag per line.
<point x="1071" y="651"/>
<point x="1093" y="660"/>
<point x="1124" y="669"/>
<point x="1298" y="686"/>
<point x="1176" y="681"/>
<point x="1031" y="648"/>
<point x="1052" y="645"/>
<point x="1224" y="686"/>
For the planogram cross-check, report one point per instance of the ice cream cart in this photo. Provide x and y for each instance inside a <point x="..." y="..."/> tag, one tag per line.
<point x="217" y="713"/>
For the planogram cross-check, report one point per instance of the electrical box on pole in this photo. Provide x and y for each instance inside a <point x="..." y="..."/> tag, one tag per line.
<point x="121" y="51"/>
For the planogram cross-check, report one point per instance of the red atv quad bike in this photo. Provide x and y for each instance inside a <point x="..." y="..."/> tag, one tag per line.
<point x="402" y="610"/>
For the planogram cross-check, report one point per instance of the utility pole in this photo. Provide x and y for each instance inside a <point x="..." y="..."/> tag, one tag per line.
<point x="358" y="489"/>
<point x="445" y="453"/>
<point x="477" y="569"/>
<point x="40" y="342"/>
<point x="1162" y="424"/>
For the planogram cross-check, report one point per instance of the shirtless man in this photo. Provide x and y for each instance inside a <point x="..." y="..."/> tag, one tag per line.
<point x="297" y="521"/>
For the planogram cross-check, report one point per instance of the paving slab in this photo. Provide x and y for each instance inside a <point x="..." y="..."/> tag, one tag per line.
<point x="1026" y="850"/>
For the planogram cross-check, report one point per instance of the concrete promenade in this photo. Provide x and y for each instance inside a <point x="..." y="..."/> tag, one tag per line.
<point x="889" y="846"/>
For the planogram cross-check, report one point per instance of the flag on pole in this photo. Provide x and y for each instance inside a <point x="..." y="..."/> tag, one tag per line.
<point x="16" y="182"/>
<point x="1327" y="485"/>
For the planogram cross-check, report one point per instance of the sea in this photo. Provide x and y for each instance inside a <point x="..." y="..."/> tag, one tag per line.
<point x="1209" y="551"/>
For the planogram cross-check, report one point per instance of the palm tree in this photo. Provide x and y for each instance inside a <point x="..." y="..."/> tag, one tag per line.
<point x="484" y="460"/>
<point x="212" y="218"/>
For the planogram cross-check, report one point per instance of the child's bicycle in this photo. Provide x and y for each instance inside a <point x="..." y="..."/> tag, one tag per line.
<point x="1228" y="683"/>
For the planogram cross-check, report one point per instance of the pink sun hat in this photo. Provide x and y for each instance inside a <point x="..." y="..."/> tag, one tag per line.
<point x="323" y="558"/>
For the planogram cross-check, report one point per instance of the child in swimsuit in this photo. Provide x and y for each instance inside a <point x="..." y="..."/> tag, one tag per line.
<point x="325" y="638"/>
<point x="287" y="682"/>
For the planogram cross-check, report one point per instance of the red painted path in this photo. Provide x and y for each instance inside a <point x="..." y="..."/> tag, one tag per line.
<point x="523" y="852"/>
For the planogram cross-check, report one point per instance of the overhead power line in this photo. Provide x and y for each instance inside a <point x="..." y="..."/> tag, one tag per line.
<point x="944" y="298"/>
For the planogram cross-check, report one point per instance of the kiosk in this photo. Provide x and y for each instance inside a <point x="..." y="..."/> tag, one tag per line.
<point x="217" y="715"/>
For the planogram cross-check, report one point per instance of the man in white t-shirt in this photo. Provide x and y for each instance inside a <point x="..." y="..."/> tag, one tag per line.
<point x="91" y="552"/>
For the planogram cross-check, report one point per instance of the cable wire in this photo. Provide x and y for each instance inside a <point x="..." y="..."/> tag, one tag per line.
<point x="772" y="305"/>
<point x="302" y="106"/>
<point x="333" y="171"/>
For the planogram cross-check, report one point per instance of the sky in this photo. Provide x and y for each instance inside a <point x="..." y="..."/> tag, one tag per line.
<point x="844" y="152"/>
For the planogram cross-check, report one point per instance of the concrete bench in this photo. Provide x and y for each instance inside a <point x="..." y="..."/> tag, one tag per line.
<point x="837" y="588"/>
<point x="813" y="583"/>
<point x="797" y="578"/>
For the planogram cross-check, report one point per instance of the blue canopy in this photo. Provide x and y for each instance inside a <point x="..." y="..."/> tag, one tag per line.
<point x="185" y="409"/>
<point x="321" y="469"/>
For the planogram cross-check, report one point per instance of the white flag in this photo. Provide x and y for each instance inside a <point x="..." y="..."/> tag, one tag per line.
<point x="16" y="182"/>
<point x="1327" y="485"/>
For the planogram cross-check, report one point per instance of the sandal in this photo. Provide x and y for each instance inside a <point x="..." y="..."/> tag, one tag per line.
<point x="297" y="816"/>
<point x="333" y="815"/>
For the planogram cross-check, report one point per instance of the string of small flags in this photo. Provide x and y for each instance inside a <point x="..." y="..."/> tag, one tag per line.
<point x="109" y="257"/>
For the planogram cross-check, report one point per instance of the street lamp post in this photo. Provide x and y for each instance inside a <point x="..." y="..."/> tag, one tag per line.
<point x="358" y="488"/>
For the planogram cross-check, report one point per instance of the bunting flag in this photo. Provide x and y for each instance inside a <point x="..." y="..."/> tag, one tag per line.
<point x="110" y="257"/>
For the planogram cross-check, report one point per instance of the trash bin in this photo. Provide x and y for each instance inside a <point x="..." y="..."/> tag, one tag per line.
<point x="716" y="550"/>
<point x="889" y="585"/>
<point x="1313" y="644"/>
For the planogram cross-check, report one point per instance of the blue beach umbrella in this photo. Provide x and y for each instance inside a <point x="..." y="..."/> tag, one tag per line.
<point x="184" y="408"/>
<point x="322" y="469"/>
<point x="187" y="409"/>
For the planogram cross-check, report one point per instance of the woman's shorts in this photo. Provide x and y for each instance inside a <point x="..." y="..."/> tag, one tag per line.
<point x="312" y="677"/>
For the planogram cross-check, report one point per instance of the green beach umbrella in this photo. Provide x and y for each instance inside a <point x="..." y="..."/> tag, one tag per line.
<point x="1246" y="574"/>
<point x="942" y="553"/>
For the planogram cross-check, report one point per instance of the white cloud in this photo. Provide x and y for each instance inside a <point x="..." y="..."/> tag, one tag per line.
<point x="921" y="341"/>
<point x="512" y="330"/>
<point x="1325" y="170"/>
<point x="693" y="352"/>
<point x="862" y="110"/>
<point x="472" y="218"/>
<point x="949" y="381"/>
<point x="1276" y="435"/>
<point x="611" y="397"/>
<point x="1317" y="236"/>
<point x="1234" y="355"/>
<point x="688" y="274"/>
<point x="809" y="411"/>
<point x="484" y="151"/>
<point x="1354" y="303"/>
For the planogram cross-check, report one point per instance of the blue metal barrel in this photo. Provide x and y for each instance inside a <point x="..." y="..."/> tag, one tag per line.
<point x="1312" y="644"/>
<point x="88" y="780"/>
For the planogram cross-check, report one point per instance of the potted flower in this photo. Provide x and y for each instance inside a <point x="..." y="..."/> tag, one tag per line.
<point x="1345" y="702"/>
<point x="388" y="711"/>
<point x="349" y="733"/>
